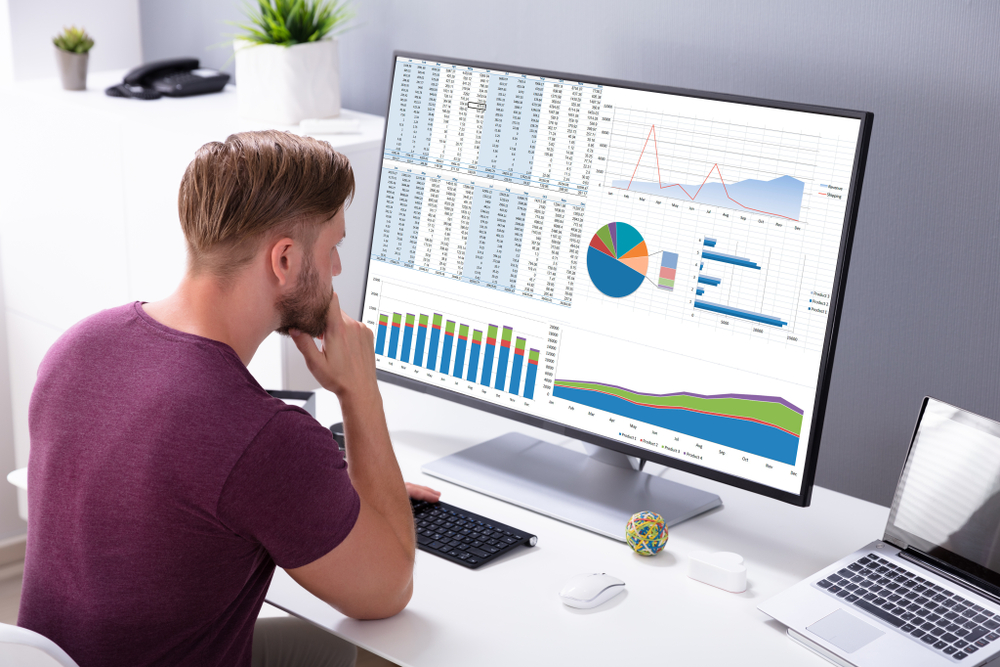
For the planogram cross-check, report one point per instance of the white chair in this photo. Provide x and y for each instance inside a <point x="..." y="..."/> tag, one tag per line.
<point x="20" y="647"/>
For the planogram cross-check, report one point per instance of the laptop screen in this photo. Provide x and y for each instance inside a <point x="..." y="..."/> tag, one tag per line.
<point x="947" y="503"/>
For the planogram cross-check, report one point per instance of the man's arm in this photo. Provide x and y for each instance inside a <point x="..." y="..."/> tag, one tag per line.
<point x="370" y="573"/>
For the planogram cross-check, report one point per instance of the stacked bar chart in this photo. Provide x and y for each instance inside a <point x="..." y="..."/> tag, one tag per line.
<point x="407" y="337"/>
<point x="499" y="359"/>
<point x="383" y="325"/>
<point x="668" y="270"/>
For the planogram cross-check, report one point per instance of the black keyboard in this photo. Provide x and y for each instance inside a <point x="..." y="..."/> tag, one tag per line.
<point x="464" y="537"/>
<point x="940" y="619"/>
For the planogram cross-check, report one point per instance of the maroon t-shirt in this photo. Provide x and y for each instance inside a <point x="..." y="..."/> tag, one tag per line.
<point x="164" y="485"/>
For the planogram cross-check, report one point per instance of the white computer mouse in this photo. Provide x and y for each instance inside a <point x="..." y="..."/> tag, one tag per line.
<point x="589" y="590"/>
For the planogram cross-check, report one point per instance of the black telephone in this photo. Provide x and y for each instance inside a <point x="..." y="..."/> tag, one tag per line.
<point x="177" y="77"/>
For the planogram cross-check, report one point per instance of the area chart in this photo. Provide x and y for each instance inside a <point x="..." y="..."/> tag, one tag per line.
<point x="617" y="259"/>
<point x="766" y="426"/>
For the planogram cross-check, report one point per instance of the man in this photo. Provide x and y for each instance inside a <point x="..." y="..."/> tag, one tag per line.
<point x="165" y="484"/>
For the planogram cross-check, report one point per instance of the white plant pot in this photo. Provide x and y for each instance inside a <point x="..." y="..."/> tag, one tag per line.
<point x="285" y="84"/>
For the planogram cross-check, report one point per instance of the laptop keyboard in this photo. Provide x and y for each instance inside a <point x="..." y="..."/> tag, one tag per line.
<point x="942" y="620"/>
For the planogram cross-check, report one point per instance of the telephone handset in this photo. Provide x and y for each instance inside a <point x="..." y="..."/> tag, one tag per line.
<point x="177" y="77"/>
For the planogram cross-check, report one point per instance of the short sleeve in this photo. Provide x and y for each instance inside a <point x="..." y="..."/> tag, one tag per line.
<point x="290" y="491"/>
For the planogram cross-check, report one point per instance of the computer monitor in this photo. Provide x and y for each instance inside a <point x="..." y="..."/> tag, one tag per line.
<point x="652" y="270"/>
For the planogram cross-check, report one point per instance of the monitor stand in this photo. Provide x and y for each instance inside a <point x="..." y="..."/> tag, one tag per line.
<point x="569" y="486"/>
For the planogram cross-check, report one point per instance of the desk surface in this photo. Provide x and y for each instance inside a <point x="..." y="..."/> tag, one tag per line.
<point x="508" y="612"/>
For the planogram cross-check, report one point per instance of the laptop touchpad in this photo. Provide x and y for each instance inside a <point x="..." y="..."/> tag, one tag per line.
<point x="846" y="632"/>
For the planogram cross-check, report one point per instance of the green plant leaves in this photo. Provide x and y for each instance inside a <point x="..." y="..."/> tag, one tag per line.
<point x="74" y="40"/>
<point x="289" y="22"/>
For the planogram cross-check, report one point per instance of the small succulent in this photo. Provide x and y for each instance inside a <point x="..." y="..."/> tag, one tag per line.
<point x="289" y="22"/>
<point x="74" y="40"/>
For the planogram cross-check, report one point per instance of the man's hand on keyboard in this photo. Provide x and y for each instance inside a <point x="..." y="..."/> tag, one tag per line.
<point x="424" y="493"/>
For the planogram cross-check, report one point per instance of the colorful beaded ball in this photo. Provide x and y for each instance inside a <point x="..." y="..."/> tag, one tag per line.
<point x="646" y="533"/>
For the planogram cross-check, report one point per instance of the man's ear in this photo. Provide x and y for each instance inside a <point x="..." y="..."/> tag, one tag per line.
<point x="284" y="260"/>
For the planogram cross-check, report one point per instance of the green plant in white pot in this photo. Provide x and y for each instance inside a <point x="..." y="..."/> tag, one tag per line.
<point x="73" y="47"/>
<point x="287" y="63"/>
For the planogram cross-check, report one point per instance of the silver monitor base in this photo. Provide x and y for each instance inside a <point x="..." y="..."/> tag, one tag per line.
<point x="567" y="485"/>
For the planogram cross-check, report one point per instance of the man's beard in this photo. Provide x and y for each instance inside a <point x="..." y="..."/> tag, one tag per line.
<point x="306" y="308"/>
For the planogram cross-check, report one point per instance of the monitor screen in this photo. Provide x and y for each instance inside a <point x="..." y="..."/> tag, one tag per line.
<point x="649" y="269"/>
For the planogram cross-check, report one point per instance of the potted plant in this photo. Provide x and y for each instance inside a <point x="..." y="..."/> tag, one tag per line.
<point x="287" y="63"/>
<point x="73" y="47"/>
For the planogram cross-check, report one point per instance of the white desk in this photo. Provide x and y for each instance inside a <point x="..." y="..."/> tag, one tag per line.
<point x="508" y="612"/>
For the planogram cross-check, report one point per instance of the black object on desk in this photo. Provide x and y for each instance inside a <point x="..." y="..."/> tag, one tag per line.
<point x="464" y="537"/>
<point x="176" y="77"/>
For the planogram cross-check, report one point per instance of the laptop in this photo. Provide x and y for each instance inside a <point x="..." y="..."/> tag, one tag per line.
<point x="928" y="592"/>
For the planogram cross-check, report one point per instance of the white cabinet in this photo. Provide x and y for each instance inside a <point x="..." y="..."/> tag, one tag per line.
<point x="88" y="214"/>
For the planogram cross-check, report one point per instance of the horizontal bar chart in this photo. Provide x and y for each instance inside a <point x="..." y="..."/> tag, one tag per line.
<point x="739" y="312"/>
<point x="729" y="259"/>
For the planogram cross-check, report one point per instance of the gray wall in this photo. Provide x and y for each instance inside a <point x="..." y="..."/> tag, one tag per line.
<point x="921" y="315"/>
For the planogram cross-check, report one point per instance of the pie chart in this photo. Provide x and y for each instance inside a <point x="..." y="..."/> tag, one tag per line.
<point x="617" y="259"/>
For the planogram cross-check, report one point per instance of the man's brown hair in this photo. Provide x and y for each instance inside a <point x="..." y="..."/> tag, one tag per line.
<point x="257" y="185"/>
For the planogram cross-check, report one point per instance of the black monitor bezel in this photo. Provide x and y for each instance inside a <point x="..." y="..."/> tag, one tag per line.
<point x="804" y="497"/>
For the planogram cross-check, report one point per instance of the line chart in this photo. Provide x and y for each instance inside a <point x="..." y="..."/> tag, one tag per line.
<point x="779" y="197"/>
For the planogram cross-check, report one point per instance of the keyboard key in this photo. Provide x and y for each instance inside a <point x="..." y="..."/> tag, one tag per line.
<point x="981" y="643"/>
<point x="960" y="656"/>
<point x="978" y="618"/>
<point x="937" y="632"/>
<point x="950" y="650"/>
<point x="918" y="633"/>
<point x="435" y="545"/>
<point x="852" y="598"/>
<point x="993" y="636"/>
<point x="950" y="638"/>
<point x="975" y="634"/>
<point x="991" y="624"/>
<point x="961" y="643"/>
<point x="970" y="649"/>
<point x="880" y="613"/>
<point x="928" y="639"/>
<point x="940" y="645"/>
<point x="907" y="628"/>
